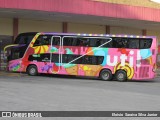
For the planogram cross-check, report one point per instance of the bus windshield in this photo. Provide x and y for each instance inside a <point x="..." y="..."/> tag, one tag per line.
<point x="17" y="52"/>
<point x="24" y="38"/>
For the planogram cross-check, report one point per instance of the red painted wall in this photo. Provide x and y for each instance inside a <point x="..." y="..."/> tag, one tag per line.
<point x="86" y="7"/>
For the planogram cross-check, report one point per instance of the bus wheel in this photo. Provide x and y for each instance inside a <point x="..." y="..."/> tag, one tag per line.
<point x="121" y="75"/>
<point x="106" y="74"/>
<point x="32" y="70"/>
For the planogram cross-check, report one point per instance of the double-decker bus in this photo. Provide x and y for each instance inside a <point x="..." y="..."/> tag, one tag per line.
<point x="123" y="57"/>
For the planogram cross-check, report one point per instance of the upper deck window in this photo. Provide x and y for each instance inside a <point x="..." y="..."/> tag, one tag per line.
<point x="132" y="43"/>
<point x="43" y="40"/>
<point x="86" y="41"/>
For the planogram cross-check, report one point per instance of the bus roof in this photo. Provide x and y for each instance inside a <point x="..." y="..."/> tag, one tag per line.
<point x="95" y="35"/>
<point x="98" y="35"/>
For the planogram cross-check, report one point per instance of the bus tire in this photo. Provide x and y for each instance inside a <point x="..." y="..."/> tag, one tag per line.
<point x="121" y="75"/>
<point x="32" y="70"/>
<point x="106" y="75"/>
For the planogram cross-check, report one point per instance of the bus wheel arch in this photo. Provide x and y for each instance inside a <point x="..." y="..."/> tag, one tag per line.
<point x="106" y="74"/>
<point x="32" y="70"/>
<point x="121" y="75"/>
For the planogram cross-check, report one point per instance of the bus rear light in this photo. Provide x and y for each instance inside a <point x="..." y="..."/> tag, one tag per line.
<point x="154" y="68"/>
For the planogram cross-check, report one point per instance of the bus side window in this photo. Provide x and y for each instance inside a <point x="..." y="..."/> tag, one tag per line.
<point x="116" y="43"/>
<point x="43" y="40"/>
<point x="84" y="42"/>
<point x="87" y="60"/>
<point x="92" y="42"/>
<point x="37" y="42"/>
<point x="64" y="58"/>
<point x="125" y="43"/>
<point x="45" y="57"/>
<point x="46" y="40"/>
<point x="134" y="43"/>
<point x="120" y="43"/>
<point x="106" y="43"/>
<point x="100" y="60"/>
<point x="71" y="41"/>
<point x="56" y="41"/>
<point x="55" y="58"/>
<point x="67" y="41"/>
<point x="72" y="59"/>
<point x="145" y="43"/>
<point x="93" y="60"/>
<point x="98" y="42"/>
<point x="74" y="41"/>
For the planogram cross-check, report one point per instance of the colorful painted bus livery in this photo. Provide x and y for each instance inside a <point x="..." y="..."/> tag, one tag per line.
<point x="124" y="57"/>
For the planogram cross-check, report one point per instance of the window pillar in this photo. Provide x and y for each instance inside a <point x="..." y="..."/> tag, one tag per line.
<point x="107" y="29"/>
<point x="144" y="32"/>
<point x="15" y="27"/>
<point x="64" y="27"/>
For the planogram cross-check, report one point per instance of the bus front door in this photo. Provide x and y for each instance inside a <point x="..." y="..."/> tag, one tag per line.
<point x="55" y="54"/>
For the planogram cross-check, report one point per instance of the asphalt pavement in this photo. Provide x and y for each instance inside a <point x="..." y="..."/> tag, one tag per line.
<point x="20" y="92"/>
